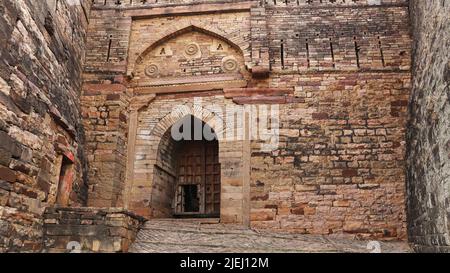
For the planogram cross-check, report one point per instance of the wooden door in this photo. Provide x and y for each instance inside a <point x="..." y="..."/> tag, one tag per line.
<point x="198" y="166"/>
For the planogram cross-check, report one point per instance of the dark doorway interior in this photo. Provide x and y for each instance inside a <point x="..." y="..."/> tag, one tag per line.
<point x="198" y="187"/>
<point x="191" y="201"/>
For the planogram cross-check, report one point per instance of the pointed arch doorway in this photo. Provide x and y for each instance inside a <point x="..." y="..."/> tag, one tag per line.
<point x="152" y="168"/>
<point x="191" y="157"/>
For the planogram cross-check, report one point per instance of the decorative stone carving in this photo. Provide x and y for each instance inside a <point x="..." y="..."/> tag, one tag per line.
<point x="152" y="70"/>
<point x="218" y="46"/>
<point x="192" y="50"/>
<point x="163" y="51"/>
<point x="230" y="64"/>
<point x="191" y="54"/>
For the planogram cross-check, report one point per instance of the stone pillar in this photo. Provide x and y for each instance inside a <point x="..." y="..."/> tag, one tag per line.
<point x="136" y="104"/>
<point x="104" y="109"/>
<point x="231" y="154"/>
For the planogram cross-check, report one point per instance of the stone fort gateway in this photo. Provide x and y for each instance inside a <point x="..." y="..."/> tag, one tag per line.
<point x="124" y="119"/>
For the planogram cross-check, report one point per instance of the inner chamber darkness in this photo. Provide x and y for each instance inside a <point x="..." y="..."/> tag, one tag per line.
<point x="187" y="176"/>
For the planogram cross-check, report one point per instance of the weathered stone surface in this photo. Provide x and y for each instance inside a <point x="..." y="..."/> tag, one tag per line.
<point x="341" y="88"/>
<point x="41" y="53"/>
<point x="428" y="130"/>
<point x="208" y="236"/>
<point x="64" y="225"/>
<point x="337" y="72"/>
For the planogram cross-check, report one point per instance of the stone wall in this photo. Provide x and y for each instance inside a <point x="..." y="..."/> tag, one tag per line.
<point x="164" y="178"/>
<point x="340" y="165"/>
<point x="104" y="119"/>
<point x="89" y="230"/>
<point x="318" y="39"/>
<point x="41" y="138"/>
<point x="338" y="71"/>
<point x="428" y="134"/>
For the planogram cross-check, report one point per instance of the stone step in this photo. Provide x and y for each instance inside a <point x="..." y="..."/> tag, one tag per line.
<point x="209" y="236"/>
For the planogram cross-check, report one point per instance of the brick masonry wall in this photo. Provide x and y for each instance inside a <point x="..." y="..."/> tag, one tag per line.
<point x="340" y="167"/>
<point x="41" y="54"/>
<point x="93" y="230"/>
<point x="338" y="39"/>
<point x="428" y="134"/>
<point x="104" y="120"/>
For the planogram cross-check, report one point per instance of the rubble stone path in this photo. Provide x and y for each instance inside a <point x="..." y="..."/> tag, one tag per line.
<point x="209" y="236"/>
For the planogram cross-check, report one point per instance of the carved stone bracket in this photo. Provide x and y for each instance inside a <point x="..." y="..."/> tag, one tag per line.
<point x="139" y="102"/>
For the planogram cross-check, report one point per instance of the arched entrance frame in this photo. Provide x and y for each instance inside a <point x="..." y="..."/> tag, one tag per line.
<point x="234" y="157"/>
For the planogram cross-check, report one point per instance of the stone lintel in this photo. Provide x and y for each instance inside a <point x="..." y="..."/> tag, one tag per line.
<point x="257" y="91"/>
<point x="259" y="95"/>
<point x="190" y="87"/>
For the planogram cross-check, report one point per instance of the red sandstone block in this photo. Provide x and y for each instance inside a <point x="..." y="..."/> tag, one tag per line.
<point x="309" y="211"/>
<point x="298" y="211"/>
<point x="7" y="174"/>
<point x="44" y="184"/>
<point x="26" y="192"/>
<point x="262" y="215"/>
<point x="122" y="117"/>
<point x="349" y="173"/>
<point x="112" y="97"/>
<point x="352" y="226"/>
<point x="320" y="116"/>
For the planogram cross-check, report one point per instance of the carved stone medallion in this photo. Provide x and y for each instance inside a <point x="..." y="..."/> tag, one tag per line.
<point x="229" y="64"/>
<point x="152" y="70"/>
